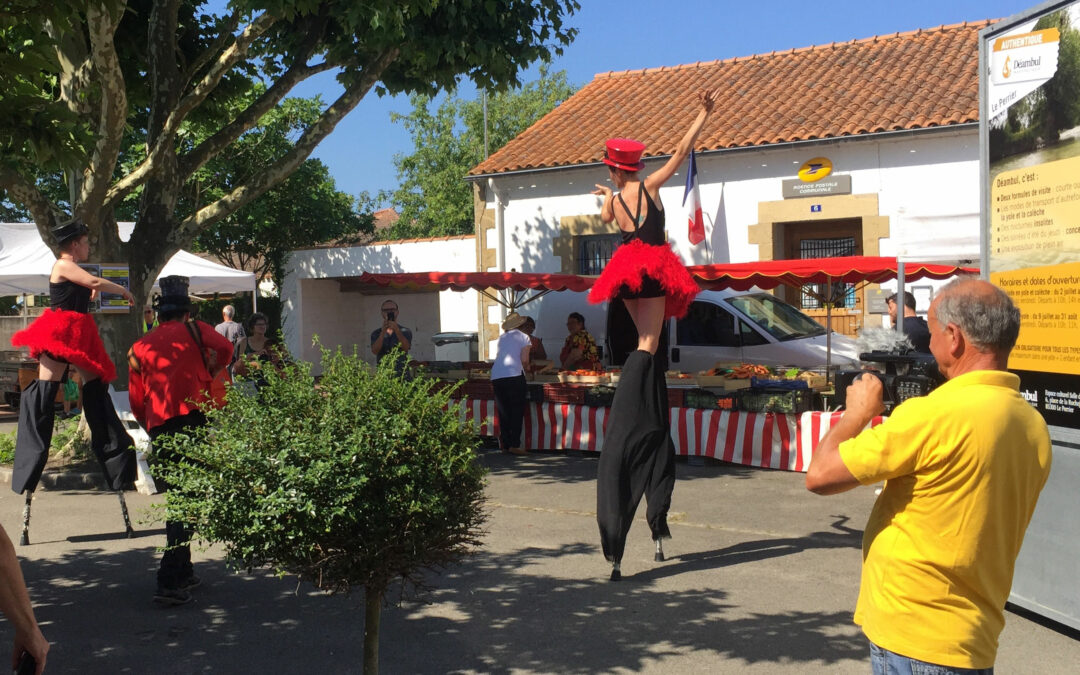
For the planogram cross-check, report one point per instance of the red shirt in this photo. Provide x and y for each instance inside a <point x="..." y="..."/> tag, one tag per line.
<point x="171" y="379"/>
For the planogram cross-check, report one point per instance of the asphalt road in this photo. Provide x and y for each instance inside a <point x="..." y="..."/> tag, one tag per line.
<point x="761" y="577"/>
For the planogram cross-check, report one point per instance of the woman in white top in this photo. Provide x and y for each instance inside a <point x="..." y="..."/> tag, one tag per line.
<point x="508" y="381"/>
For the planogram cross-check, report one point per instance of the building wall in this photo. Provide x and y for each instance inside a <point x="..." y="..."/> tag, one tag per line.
<point x="318" y="297"/>
<point x="908" y="177"/>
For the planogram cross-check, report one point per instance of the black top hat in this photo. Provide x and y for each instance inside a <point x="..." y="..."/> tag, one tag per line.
<point x="68" y="230"/>
<point x="174" y="294"/>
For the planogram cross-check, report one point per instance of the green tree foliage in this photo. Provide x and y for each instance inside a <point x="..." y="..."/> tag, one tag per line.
<point x="1059" y="107"/>
<point x="433" y="198"/>
<point x="1039" y="118"/>
<point x="134" y="98"/>
<point x="362" y="480"/>
<point x="302" y="211"/>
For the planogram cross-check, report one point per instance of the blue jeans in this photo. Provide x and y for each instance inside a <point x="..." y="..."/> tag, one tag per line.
<point x="884" y="662"/>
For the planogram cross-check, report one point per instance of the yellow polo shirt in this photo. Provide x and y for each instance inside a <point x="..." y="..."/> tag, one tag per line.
<point x="964" y="467"/>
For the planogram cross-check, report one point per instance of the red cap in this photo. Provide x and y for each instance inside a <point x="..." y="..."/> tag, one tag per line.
<point x="624" y="153"/>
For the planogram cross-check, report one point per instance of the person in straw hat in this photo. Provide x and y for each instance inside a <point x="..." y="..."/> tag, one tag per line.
<point x="508" y="381"/>
<point x="637" y="457"/>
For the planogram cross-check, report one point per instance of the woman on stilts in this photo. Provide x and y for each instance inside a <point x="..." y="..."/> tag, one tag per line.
<point x="66" y="337"/>
<point x="638" y="457"/>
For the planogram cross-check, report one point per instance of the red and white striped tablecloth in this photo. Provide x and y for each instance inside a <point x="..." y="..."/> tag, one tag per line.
<point x="766" y="440"/>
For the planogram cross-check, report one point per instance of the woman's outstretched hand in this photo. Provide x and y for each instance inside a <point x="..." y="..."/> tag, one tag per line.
<point x="602" y="190"/>
<point x="707" y="99"/>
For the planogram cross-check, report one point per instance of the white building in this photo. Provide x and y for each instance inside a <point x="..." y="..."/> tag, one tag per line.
<point x="895" y="116"/>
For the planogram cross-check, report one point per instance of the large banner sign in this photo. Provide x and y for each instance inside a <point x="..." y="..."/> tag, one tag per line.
<point x="1032" y="99"/>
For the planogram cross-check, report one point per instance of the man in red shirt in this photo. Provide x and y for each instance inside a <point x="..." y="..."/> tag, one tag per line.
<point x="171" y="370"/>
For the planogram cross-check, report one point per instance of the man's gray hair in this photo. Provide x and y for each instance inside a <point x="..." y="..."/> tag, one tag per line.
<point x="228" y="311"/>
<point x="989" y="320"/>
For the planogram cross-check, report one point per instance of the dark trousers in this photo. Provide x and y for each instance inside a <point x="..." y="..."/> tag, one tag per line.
<point x="176" y="560"/>
<point x="510" y="398"/>
<point x="637" y="458"/>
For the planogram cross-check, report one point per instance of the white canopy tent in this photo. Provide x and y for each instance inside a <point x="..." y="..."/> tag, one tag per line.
<point x="25" y="262"/>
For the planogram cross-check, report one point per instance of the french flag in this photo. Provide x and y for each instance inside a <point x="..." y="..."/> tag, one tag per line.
<point x="692" y="201"/>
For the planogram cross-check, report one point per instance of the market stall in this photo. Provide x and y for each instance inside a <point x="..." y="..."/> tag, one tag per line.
<point x="763" y="440"/>
<point x="741" y="413"/>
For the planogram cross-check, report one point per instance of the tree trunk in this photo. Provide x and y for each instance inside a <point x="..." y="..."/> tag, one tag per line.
<point x="372" y="613"/>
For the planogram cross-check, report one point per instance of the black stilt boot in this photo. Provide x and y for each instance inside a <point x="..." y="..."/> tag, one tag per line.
<point x="110" y="442"/>
<point x="37" y="413"/>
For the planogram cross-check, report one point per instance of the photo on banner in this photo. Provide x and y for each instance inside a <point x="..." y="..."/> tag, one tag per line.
<point x="1032" y="90"/>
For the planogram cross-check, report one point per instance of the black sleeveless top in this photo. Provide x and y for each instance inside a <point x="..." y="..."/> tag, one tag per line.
<point x="70" y="296"/>
<point x="650" y="228"/>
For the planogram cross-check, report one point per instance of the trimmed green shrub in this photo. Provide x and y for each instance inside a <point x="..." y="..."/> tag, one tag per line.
<point x="362" y="479"/>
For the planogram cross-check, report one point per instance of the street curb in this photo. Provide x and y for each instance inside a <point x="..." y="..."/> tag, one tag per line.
<point x="63" y="480"/>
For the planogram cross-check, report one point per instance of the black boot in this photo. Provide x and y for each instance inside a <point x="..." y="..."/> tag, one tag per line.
<point x="109" y="439"/>
<point x="37" y="412"/>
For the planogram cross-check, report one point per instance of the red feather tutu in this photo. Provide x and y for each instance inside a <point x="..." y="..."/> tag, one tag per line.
<point x="68" y="336"/>
<point x="632" y="262"/>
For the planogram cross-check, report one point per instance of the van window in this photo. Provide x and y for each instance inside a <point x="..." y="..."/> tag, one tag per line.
<point x="707" y="324"/>
<point x="750" y="337"/>
<point x="778" y="318"/>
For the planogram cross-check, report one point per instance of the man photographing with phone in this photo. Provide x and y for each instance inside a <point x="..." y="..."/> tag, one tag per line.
<point x="383" y="340"/>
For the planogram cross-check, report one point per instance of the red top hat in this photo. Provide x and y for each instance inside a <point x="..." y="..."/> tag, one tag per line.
<point x="624" y="153"/>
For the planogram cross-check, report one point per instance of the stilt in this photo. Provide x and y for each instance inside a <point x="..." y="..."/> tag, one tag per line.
<point x="616" y="572"/>
<point x="123" y="509"/>
<point x="24" y="540"/>
<point x="659" y="557"/>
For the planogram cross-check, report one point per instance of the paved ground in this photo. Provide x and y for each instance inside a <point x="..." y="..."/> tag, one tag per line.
<point x="761" y="578"/>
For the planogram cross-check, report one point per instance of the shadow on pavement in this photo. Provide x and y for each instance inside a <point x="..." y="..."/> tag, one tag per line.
<point x="753" y="551"/>
<point x="580" y="467"/>
<point x="493" y="614"/>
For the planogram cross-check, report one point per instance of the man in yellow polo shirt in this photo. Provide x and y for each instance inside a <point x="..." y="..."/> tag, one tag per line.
<point x="963" y="468"/>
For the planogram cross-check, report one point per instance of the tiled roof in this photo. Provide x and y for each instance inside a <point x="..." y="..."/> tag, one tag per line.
<point x="903" y="81"/>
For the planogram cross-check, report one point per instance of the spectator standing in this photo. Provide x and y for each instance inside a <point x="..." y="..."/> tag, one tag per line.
<point x="148" y="319"/>
<point x="915" y="327"/>
<point x="963" y="467"/>
<point x="579" y="350"/>
<point x="171" y="370"/>
<point x="508" y="382"/>
<point x="536" y="351"/>
<point x="392" y="334"/>
<point x="229" y="329"/>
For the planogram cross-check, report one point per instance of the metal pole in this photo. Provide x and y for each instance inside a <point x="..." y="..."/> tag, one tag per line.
<point x="900" y="275"/>
<point x="828" y="331"/>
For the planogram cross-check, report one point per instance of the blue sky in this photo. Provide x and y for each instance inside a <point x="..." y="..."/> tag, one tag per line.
<point x="636" y="34"/>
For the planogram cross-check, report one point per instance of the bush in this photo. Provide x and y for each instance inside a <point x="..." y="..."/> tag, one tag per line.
<point x="7" y="448"/>
<point x="67" y="438"/>
<point x="360" y="480"/>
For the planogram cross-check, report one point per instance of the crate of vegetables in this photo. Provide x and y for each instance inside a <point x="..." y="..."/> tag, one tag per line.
<point x="786" y="401"/>
<point x="583" y="377"/>
<point x="564" y="393"/>
<point x="599" y="396"/>
<point x="703" y="398"/>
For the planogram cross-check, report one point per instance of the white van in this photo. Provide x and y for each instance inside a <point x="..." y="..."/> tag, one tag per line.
<point x="730" y="326"/>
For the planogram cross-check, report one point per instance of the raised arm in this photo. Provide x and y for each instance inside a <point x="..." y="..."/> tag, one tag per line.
<point x="69" y="271"/>
<point x="707" y="99"/>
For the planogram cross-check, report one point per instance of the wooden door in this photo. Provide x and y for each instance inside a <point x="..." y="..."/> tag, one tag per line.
<point x="827" y="239"/>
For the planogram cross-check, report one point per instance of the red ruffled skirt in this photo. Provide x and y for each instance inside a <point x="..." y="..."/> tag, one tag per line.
<point x="68" y="336"/>
<point x="635" y="261"/>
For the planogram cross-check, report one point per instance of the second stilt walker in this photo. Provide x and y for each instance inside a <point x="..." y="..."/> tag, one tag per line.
<point x="638" y="457"/>
<point x="65" y="337"/>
